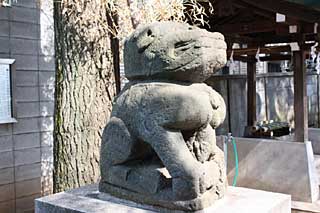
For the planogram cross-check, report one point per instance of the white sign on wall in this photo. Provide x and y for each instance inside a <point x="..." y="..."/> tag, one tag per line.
<point x="6" y="3"/>
<point x="5" y="92"/>
<point x="6" y="108"/>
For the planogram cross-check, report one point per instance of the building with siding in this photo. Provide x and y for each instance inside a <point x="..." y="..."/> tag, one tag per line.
<point x="27" y="36"/>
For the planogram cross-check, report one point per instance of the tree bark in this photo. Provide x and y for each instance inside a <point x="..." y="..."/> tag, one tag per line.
<point x="134" y="19"/>
<point x="85" y="87"/>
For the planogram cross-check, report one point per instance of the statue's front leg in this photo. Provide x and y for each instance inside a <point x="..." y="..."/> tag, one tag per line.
<point x="175" y="155"/>
<point x="212" y="160"/>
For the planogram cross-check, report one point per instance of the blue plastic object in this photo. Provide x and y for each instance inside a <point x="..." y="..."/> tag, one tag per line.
<point x="236" y="162"/>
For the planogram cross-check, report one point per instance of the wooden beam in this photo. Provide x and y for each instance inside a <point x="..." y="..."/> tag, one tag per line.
<point x="241" y="39"/>
<point x="243" y="58"/>
<point x="258" y="11"/>
<point x="300" y="97"/>
<point x="251" y="94"/>
<point x="257" y="26"/>
<point x="268" y="39"/>
<point x="263" y="26"/>
<point x="271" y="15"/>
<point x="224" y="8"/>
<point x="267" y="50"/>
<point x="289" y="9"/>
<point x="275" y="57"/>
<point x="286" y="38"/>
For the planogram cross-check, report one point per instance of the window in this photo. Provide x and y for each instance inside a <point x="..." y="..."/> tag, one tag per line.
<point x="7" y="71"/>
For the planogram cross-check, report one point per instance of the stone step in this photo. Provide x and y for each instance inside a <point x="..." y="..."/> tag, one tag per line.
<point x="317" y="165"/>
<point x="89" y="200"/>
<point x="303" y="207"/>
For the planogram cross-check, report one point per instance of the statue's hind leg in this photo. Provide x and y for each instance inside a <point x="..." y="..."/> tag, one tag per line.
<point x="127" y="162"/>
<point x="178" y="160"/>
<point x="116" y="148"/>
<point x="192" y="173"/>
<point x="166" y="175"/>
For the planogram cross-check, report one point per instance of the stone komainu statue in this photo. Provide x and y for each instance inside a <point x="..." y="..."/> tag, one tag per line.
<point x="159" y="146"/>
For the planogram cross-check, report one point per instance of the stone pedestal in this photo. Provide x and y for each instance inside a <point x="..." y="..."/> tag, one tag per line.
<point x="88" y="199"/>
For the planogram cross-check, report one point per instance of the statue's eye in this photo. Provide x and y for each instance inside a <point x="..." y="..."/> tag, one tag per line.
<point x="149" y="33"/>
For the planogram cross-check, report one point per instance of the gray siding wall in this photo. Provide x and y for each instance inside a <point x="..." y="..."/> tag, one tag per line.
<point x="275" y="99"/>
<point x="26" y="34"/>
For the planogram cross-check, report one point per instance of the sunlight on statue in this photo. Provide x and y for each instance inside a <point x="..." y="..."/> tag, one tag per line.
<point x="159" y="147"/>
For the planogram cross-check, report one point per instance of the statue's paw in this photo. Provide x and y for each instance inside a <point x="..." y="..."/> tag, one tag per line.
<point x="213" y="174"/>
<point x="188" y="188"/>
<point x="204" y="177"/>
<point x="219" y="110"/>
<point x="185" y="188"/>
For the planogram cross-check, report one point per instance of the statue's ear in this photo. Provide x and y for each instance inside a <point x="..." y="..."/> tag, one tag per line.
<point x="146" y="39"/>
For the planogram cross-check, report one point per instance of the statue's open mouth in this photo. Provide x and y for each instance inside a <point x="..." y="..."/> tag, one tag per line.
<point x="184" y="45"/>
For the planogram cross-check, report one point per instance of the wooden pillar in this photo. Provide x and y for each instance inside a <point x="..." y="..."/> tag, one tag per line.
<point x="300" y="97"/>
<point x="251" y="94"/>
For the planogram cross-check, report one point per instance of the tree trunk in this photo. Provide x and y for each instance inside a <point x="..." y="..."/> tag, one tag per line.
<point x="85" y="88"/>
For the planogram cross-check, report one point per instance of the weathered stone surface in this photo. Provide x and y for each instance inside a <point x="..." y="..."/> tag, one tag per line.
<point x="89" y="200"/>
<point x="159" y="145"/>
<point x="173" y="51"/>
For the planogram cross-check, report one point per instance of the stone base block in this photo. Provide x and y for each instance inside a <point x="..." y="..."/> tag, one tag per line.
<point x="275" y="166"/>
<point x="314" y="137"/>
<point x="303" y="207"/>
<point x="88" y="199"/>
